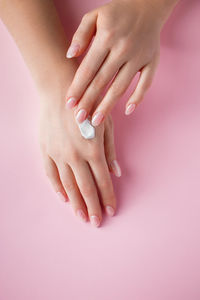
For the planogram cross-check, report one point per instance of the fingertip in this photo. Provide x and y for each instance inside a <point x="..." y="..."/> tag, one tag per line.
<point x="109" y="210"/>
<point x="73" y="51"/>
<point x="97" y="119"/>
<point x="81" y="115"/>
<point x="116" y="169"/>
<point x="130" y="108"/>
<point x="62" y="197"/>
<point x="71" y="102"/>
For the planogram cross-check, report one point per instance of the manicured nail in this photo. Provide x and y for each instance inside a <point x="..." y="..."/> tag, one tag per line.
<point x="72" y="51"/>
<point x="130" y="108"/>
<point x="81" y="115"/>
<point x="61" y="196"/>
<point x="80" y="213"/>
<point x="95" y="221"/>
<point x="97" y="119"/>
<point x="116" y="168"/>
<point x="109" y="210"/>
<point x="71" y="102"/>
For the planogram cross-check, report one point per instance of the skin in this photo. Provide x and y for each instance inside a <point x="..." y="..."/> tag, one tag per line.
<point x="77" y="168"/>
<point x="126" y="41"/>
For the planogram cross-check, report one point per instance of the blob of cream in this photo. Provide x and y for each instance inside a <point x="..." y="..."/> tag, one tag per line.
<point x="87" y="130"/>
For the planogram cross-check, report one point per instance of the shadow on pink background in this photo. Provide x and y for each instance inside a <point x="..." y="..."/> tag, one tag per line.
<point x="150" y="249"/>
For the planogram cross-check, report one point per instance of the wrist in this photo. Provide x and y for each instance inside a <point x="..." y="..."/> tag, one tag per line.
<point x="56" y="79"/>
<point x="159" y="10"/>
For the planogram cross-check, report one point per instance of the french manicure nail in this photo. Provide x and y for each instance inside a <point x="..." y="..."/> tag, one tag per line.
<point x="130" y="108"/>
<point x="116" y="168"/>
<point x="81" y="115"/>
<point x="109" y="210"/>
<point x="97" y="119"/>
<point x="61" y="196"/>
<point x="72" y="51"/>
<point x="71" y="102"/>
<point x="95" y="221"/>
<point x="80" y="213"/>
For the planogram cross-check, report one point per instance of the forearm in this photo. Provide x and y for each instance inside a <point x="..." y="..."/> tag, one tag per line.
<point x="37" y="31"/>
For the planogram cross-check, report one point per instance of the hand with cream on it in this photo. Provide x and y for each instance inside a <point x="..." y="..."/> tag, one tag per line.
<point x="78" y="167"/>
<point x="126" y="41"/>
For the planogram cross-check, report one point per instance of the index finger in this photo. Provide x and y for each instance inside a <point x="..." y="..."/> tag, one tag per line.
<point x="86" y="72"/>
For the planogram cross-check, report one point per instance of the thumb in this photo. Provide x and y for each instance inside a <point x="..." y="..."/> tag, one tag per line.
<point x="109" y="146"/>
<point x="83" y="35"/>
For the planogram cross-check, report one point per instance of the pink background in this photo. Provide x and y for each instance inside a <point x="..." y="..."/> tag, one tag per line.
<point x="150" y="249"/>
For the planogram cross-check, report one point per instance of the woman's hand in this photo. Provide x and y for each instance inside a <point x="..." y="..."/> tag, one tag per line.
<point x="127" y="38"/>
<point x="78" y="168"/>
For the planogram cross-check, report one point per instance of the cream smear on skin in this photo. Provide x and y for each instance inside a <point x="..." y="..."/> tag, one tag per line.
<point x="86" y="129"/>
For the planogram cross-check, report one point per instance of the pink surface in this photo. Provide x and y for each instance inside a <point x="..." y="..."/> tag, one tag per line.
<point x="150" y="249"/>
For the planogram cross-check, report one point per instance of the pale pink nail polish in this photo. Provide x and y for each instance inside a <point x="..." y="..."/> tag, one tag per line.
<point x="116" y="168"/>
<point x="94" y="221"/>
<point x="71" y="102"/>
<point x="81" y="115"/>
<point x="130" y="108"/>
<point x="109" y="210"/>
<point x="61" y="196"/>
<point x="97" y="119"/>
<point x="80" y="213"/>
<point x="73" y="50"/>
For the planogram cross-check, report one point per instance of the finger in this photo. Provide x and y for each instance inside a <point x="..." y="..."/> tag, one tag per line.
<point x="88" y="190"/>
<point x="109" y="147"/>
<point x="83" y="35"/>
<point x="84" y="75"/>
<point x="103" y="180"/>
<point x="105" y="74"/>
<point x="144" y="83"/>
<point x="117" y="88"/>
<point x="53" y="175"/>
<point x="72" y="190"/>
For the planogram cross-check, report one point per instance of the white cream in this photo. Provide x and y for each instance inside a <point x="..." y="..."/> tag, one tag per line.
<point x="86" y="129"/>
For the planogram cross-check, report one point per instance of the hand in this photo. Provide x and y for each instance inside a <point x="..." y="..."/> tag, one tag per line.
<point x="127" y="38"/>
<point x="76" y="167"/>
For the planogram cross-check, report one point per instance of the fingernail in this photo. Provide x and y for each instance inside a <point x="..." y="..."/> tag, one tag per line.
<point x="95" y="221"/>
<point x="81" y="115"/>
<point x="61" y="196"/>
<point x="97" y="119"/>
<point x="110" y="211"/>
<point x="71" y="102"/>
<point x="116" y="168"/>
<point x="72" y="51"/>
<point x="80" y="213"/>
<point x="130" y="108"/>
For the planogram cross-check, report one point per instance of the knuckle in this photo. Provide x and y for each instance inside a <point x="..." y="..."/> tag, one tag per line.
<point x="94" y="154"/>
<point x="107" y="35"/>
<point x="55" y="154"/>
<point x="69" y="186"/>
<point x="85" y="16"/>
<point x="87" y="190"/>
<point x="116" y="91"/>
<point x="122" y="48"/>
<point x="87" y="72"/>
<point x="106" y="185"/>
<point x="73" y="157"/>
<point x="99" y="82"/>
